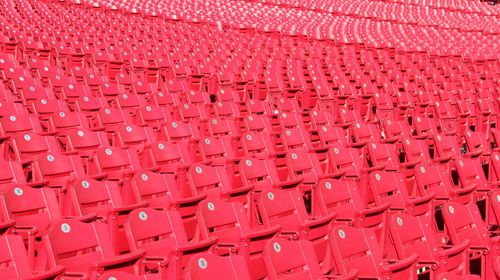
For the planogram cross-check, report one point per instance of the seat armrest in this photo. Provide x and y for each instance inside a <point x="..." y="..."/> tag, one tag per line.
<point x="400" y="264"/>
<point x="290" y="183"/>
<point x="261" y="233"/>
<point x="120" y="259"/>
<point x="197" y="245"/>
<point x="453" y="250"/>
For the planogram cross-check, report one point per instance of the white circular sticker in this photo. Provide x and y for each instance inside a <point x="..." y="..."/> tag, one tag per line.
<point x="277" y="247"/>
<point x="18" y="191"/>
<point x="143" y="216"/>
<point x="210" y="206"/>
<point x="270" y="195"/>
<point x="50" y="157"/>
<point x="144" y="177"/>
<point x="65" y="228"/>
<point x="451" y="209"/>
<point x="341" y="233"/>
<point x="202" y="263"/>
<point x="198" y="170"/>
<point x="85" y="184"/>
<point x="108" y="151"/>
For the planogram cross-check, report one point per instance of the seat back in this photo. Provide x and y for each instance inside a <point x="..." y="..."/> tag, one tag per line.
<point x="291" y="259"/>
<point x="206" y="266"/>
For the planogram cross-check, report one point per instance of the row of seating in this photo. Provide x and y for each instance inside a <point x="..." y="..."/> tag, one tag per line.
<point x="179" y="139"/>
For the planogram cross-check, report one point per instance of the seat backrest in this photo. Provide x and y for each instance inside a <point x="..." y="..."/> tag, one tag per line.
<point x="388" y="187"/>
<point x="291" y="259"/>
<point x="464" y="222"/>
<point x="155" y="230"/>
<point x="282" y="207"/>
<point x="409" y="236"/>
<point x="226" y="220"/>
<point x="207" y="266"/>
<point x="32" y="207"/>
<point x="338" y="196"/>
<point x="86" y="246"/>
<point x="362" y="255"/>
<point x="97" y="197"/>
<point x="157" y="189"/>
<point x="430" y="178"/>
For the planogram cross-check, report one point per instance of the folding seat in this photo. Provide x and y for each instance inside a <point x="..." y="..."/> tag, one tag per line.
<point x="413" y="235"/>
<point x="259" y="107"/>
<point x="262" y="174"/>
<point x="90" y="253"/>
<point x="164" y="99"/>
<point x="55" y="170"/>
<point x="306" y="166"/>
<point x="259" y="145"/>
<point x="415" y="152"/>
<point x="383" y="106"/>
<point x="228" y="222"/>
<point x="217" y="127"/>
<point x="365" y="256"/>
<point x="90" y="105"/>
<point x="161" y="191"/>
<point x="133" y="137"/>
<point x="348" y="118"/>
<point x="381" y="154"/>
<point x="447" y="148"/>
<point x="447" y="117"/>
<point x="394" y="130"/>
<point x="321" y="118"/>
<point x="178" y="131"/>
<point x="470" y="173"/>
<point x="152" y="116"/>
<point x="128" y="102"/>
<point x="289" y="105"/>
<point x="109" y="120"/>
<point x="26" y="147"/>
<point x="167" y="157"/>
<point x="83" y="142"/>
<point x="287" y="259"/>
<point x="464" y="223"/>
<point x="286" y="208"/>
<point x="207" y="266"/>
<point x="258" y="123"/>
<point x="435" y="179"/>
<point x="390" y="187"/>
<point x="113" y="163"/>
<point x="424" y="128"/>
<point x="477" y="143"/>
<point x="16" y="262"/>
<point x="347" y="161"/>
<point x="162" y="235"/>
<point x="43" y="108"/>
<point x="297" y="139"/>
<point x="215" y="182"/>
<point x="363" y="133"/>
<point x="58" y="123"/>
<point x="225" y="110"/>
<point x="18" y="124"/>
<point x="73" y="91"/>
<point x="218" y="151"/>
<point x="331" y="135"/>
